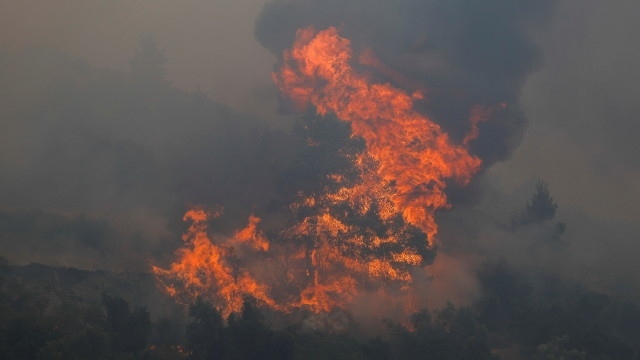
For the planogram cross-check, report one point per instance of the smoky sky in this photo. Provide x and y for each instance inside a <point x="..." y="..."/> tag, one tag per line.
<point x="468" y="52"/>
<point x="125" y="151"/>
<point x="581" y="137"/>
<point x="97" y="163"/>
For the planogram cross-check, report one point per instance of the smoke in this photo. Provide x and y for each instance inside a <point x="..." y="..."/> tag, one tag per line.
<point x="132" y="143"/>
<point x="491" y="52"/>
<point x="373" y="222"/>
<point x="127" y="149"/>
<point x="580" y="140"/>
<point x="99" y="163"/>
<point x="464" y="52"/>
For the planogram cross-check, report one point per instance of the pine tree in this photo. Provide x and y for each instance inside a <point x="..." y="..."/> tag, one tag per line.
<point x="539" y="209"/>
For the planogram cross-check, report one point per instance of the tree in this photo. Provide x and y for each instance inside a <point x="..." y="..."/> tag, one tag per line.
<point x="251" y="338"/>
<point x="558" y="349"/>
<point x="148" y="61"/>
<point x="127" y="330"/>
<point x="539" y="209"/>
<point x="449" y="333"/>
<point x="206" y="338"/>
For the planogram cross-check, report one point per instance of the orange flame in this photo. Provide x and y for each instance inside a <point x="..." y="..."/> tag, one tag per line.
<point x="211" y="271"/>
<point x="412" y="151"/>
<point x="252" y="236"/>
<point x="480" y="114"/>
<point x="370" y="233"/>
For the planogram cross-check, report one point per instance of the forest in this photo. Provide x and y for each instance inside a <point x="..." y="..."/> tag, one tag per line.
<point x="114" y="158"/>
<point x="518" y="316"/>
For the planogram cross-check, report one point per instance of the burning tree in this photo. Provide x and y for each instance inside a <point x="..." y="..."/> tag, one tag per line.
<point x="374" y="173"/>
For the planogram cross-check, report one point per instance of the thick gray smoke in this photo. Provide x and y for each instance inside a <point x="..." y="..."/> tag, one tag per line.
<point x="465" y="52"/>
<point x="489" y="52"/>
<point x="105" y="142"/>
<point x="95" y="162"/>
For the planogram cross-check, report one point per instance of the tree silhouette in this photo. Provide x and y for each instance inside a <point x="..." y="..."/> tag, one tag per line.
<point x="205" y="333"/>
<point x="251" y="337"/>
<point x="148" y="61"/>
<point x="448" y="333"/>
<point x="127" y="330"/>
<point x="539" y="209"/>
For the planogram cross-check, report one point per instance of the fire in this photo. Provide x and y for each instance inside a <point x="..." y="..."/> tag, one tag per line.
<point x="367" y="232"/>
<point x="412" y="152"/>
<point x="252" y="235"/>
<point x="210" y="270"/>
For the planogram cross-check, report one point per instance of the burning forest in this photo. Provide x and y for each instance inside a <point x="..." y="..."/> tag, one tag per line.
<point x="313" y="179"/>
<point x="367" y="228"/>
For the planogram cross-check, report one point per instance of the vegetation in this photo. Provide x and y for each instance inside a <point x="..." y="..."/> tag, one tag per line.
<point x="539" y="209"/>
<point x="519" y="316"/>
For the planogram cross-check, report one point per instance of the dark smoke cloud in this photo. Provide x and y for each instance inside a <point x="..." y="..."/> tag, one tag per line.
<point x="466" y="52"/>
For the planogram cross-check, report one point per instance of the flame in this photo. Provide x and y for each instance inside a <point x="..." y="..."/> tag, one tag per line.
<point x="211" y="271"/>
<point x="252" y="236"/>
<point x="480" y="114"/>
<point x="411" y="150"/>
<point x="367" y="232"/>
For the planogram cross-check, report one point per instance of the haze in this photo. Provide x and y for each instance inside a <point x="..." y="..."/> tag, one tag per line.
<point x="88" y="179"/>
